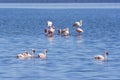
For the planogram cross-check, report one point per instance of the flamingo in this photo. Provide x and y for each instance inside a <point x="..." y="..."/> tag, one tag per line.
<point x="102" y="57"/>
<point x="77" y="24"/>
<point x="50" y="29"/>
<point x="26" y="54"/>
<point x="43" y="55"/>
<point x="65" y="31"/>
<point x="22" y="55"/>
<point x="79" y="30"/>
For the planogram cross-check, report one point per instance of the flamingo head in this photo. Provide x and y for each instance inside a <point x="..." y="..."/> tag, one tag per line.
<point x="33" y="50"/>
<point x="45" y="50"/>
<point x="106" y="52"/>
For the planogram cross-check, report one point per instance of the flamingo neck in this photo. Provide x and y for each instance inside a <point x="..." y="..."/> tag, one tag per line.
<point x="105" y="56"/>
<point x="45" y="53"/>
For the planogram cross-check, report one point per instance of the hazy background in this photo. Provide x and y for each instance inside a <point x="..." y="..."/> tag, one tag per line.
<point x="59" y="1"/>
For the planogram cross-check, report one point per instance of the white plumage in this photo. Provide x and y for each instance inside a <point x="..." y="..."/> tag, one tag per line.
<point x="79" y="30"/>
<point x="78" y="24"/>
<point x="49" y="23"/>
<point x="26" y="54"/>
<point x="43" y="55"/>
<point x="102" y="57"/>
<point x="65" y="31"/>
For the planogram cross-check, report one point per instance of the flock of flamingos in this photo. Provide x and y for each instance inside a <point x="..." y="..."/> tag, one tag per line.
<point x="49" y="31"/>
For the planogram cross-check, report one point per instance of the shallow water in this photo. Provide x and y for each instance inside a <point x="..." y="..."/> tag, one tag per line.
<point x="69" y="57"/>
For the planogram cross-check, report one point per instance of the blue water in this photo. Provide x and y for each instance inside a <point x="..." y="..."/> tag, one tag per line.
<point x="68" y="58"/>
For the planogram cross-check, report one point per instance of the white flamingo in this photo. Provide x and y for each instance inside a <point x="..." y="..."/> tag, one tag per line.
<point x="43" y="55"/>
<point x="50" y="29"/>
<point x="26" y="54"/>
<point x="79" y="30"/>
<point x="65" y="31"/>
<point x="102" y="57"/>
<point x="23" y="55"/>
<point x="78" y="24"/>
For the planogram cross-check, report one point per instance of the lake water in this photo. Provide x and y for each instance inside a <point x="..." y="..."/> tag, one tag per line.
<point x="69" y="57"/>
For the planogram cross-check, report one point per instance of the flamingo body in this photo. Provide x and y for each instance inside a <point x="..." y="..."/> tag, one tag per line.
<point x="102" y="57"/>
<point x="42" y="55"/>
<point x="65" y="31"/>
<point x="99" y="57"/>
<point x="26" y="54"/>
<point x="77" y="24"/>
<point x="79" y="30"/>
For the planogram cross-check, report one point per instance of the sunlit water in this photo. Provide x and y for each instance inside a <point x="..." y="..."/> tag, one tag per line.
<point x="68" y="58"/>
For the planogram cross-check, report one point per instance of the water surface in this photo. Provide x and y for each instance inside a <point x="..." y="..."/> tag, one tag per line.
<point x="69" y="57"/>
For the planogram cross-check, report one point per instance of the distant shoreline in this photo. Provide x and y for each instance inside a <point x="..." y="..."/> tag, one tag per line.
<point x="59" y="5"/>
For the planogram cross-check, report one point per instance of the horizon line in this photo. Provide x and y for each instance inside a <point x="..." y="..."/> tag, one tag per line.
<point x="59" y="5"/>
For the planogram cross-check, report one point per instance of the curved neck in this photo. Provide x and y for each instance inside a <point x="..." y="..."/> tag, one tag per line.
<point x="105" y="56"/>
<point x="45" y="52"/>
